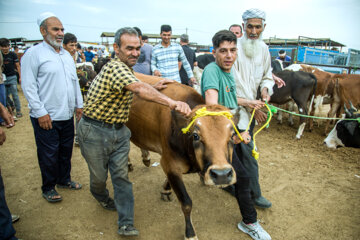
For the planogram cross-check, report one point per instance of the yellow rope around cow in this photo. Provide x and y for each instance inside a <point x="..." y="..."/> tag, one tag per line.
<point x="203" y="112"/>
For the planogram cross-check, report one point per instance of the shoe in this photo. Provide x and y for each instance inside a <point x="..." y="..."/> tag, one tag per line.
<point x="19" y="115"/>
<point x="254" y="230"/>
<point x="128" y="230"/>
<point x="14" y="218"/>
<point x="262" y="202"/>
<point x="76" y="141"/>
<point x="108" y="204"/>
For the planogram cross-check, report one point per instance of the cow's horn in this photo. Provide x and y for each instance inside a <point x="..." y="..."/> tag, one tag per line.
<point x="352" y="106"/>
<point x="347" y="112"/>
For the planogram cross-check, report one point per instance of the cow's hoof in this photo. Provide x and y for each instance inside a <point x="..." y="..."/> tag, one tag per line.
<point x="147" y="162"/>
<point x="192" y="238"/>
<point x="130" y="167"/>
<point x="166" y="196"/>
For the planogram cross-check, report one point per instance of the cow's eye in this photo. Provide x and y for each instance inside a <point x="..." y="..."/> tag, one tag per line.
<point x="196" y="137"/>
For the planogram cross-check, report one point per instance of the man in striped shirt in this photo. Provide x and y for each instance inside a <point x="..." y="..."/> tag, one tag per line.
<point x="166" y="57"/>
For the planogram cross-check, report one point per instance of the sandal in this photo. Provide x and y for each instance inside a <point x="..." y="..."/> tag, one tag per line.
<point x="50" y="196"/>
<point x="70" y="185"/>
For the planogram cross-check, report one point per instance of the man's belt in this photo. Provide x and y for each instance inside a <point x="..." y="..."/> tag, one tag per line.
<point x="102" y="124"/>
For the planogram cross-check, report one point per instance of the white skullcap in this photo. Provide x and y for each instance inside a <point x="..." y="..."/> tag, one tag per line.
<point x="253" y="13"/>
<point x="44" y="16"/>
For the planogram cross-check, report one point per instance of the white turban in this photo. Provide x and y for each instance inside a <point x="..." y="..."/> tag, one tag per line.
<point x="44" y="16"/>
<point x="253" y="13"/>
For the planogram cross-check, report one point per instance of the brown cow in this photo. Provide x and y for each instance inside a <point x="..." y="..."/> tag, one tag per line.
<point x="328" y="90"/>
<point x="206" y="149"/>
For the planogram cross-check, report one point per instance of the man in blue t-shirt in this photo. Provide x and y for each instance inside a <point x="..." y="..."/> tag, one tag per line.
<point x="218" y="87"/>
<point x="89" y="55"/>
<point x="283" y="57"/>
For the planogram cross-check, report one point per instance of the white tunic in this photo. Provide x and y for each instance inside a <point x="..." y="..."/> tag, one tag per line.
<point x="249" y="74"/>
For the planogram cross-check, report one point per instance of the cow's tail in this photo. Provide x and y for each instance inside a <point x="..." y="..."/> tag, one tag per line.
<point x="313" y="94"/>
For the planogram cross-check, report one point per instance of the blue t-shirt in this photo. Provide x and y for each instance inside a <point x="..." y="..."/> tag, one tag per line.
<point x="89" y="56"/>
<point x="214" y="77"/>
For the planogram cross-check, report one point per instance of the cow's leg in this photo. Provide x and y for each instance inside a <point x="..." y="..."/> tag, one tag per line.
<point x="130" y="166"/>
<point x="312" y="113"/>
<point x="302" y="110"/>
<point x="279" y="117"/>
<point x="177" y="184"/>
<point x="145" y="157"/>
<point x="332" y="112"/>
<point x="291" y="109"/>
<point x="166" y="192"/>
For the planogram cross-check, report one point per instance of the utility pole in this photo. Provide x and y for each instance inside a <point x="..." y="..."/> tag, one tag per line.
<point x="186" y="31"/>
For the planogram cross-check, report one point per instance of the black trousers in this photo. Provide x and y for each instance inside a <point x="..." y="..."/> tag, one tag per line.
<point x="7" y="231"/>
<point x="54" y="150"/>
<point x="242" y="189"/>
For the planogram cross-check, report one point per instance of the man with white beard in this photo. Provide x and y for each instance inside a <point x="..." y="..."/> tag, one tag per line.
<point x="252" y="69"/>
<point x="51" y="87"/>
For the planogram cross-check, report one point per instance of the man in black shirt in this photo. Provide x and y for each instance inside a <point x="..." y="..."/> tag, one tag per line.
<point x="10" y="62"/>
<point x="190" y="56"/>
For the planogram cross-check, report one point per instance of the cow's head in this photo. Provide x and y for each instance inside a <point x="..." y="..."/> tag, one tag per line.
<point x="210" y="143"/>
<point x="346" y="133"/>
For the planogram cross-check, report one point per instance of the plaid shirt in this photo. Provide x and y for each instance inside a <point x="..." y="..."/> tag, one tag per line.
<point x="107" y="100"/>
<point x="166" y="60"/>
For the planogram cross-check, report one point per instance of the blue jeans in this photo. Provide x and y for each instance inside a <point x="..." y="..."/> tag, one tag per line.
<point x="6" y="228"/>
<point x="11" y="89"/>
<point x="2" y="97"/>
<point x="107" y="149"/>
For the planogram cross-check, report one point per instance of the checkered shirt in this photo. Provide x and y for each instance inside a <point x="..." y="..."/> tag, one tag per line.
<point x="166" y="60"/>
<point x="107" y="100"/>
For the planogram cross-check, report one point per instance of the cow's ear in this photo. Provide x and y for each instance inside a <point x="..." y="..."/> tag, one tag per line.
<point x="236" y="116"/>
<point x="178" y="120"/>
<point x="351" y="126"/>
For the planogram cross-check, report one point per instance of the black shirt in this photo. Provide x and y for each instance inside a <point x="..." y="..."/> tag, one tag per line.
<point x="190" y="56"/>
<point x="9" y="63"/>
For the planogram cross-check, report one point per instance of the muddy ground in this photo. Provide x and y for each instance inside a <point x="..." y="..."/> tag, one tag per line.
<point x="315" y="193"/>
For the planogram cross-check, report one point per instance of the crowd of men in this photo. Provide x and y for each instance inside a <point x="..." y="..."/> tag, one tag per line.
<point x="50" y="84"/>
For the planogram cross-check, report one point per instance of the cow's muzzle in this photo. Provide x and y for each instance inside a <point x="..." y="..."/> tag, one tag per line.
<point x="220" y="176"/>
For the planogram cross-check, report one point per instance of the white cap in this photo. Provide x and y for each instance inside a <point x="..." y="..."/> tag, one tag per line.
<point x="44" y="16"/>
<point x="253" y="13"/>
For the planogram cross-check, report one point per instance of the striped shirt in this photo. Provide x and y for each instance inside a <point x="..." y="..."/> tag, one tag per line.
<point x="166" y="60"/>
<point x="107" y="100"/>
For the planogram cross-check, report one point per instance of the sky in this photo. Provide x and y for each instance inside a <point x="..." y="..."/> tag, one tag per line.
<point x="87" y="19"/>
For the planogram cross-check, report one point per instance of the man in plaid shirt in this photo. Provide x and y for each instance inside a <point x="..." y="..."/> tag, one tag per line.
<point x="166" y="57"/>
<point x="104" y="139"/>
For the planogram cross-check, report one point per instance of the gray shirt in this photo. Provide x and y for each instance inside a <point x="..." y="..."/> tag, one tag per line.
<point x="143" y="64"/>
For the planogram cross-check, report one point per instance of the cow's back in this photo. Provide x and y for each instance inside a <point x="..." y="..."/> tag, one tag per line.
<point x="149" y="122"/>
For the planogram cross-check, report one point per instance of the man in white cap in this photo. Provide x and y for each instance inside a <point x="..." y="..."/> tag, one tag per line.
<point x="252" y="70"/>
<point x="51" y="87"/>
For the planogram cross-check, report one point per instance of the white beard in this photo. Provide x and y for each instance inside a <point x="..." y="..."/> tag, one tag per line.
<point x="53" y="42"/>
<point x="251" y="47"/>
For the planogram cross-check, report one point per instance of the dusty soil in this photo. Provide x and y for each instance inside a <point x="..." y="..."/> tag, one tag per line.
<point x="315" y="193"/>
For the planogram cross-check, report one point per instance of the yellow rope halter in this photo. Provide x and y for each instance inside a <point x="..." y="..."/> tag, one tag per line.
<point x="203" y="112"/>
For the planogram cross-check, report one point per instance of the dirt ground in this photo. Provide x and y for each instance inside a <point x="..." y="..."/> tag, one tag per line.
<point x="315" y="193"/>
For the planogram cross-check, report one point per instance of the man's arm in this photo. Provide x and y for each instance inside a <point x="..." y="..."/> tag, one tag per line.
<point x="211" y="96"/>
<point x="29" y="72"/>
<point x="17" y="65"/>
<point x="154" y="69"/>
<point x="267" y="81"/>
<point x="147" y="92"/>
<point x="8" y="118"/>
